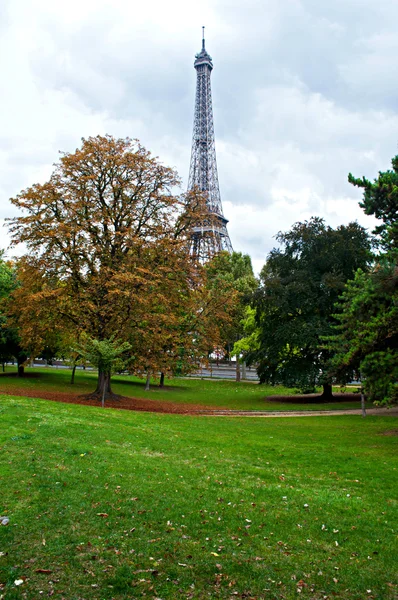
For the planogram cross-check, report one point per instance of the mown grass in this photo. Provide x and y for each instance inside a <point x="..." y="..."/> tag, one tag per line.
<point x="116" y="504"/>
<point x="213" y="393"/>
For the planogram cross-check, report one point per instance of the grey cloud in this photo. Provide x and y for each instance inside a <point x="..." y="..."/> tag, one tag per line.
<point x="303" y="92"/>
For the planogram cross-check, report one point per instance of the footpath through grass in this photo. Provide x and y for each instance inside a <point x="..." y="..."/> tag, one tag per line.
<point x="213" y="393"/>
<point x="116" y="504"/>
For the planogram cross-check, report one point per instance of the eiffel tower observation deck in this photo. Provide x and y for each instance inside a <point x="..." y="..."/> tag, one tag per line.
<point x="210" y="236"/>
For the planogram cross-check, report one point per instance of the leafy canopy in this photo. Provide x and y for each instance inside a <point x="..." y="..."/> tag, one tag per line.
<point x="108" y="255"/>
<point x="299" y="285"/>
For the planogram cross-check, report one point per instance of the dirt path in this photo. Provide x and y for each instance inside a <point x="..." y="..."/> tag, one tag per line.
<point x="386" y="412"/>
<point x="145" y="405"/>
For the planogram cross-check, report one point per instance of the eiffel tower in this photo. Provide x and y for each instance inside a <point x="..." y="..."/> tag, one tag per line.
<point x="210" y="236"/>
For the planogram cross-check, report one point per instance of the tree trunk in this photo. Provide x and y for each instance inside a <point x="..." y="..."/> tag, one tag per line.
<point x="161" y="382"/>
<point x="327" y="395"/>
<point x="237" y="378"/>
<point x="72" y="379"/>
<point x="244" y="374"/>
<point x="103" y="384"/>
<point x="363" y="409"/>
<point x="21" y="369"/>
<point x="148" y="381"/>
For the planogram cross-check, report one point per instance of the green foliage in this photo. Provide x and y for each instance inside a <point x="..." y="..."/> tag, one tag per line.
<point x="105" y="355"/>
<point x="300" y="284"/>
<point x="235" y="267"/>
<point x="380" y="199"/>
<point x="7" y="278"/>
<point x="380" y="372"/>
<point x="10" y="346"/>
<point x="248" y="343"/>
<point x="234" y="270"/>
<point x="366" y="336"/>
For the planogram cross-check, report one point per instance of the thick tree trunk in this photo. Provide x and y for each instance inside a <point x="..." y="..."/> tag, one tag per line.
<point x="72" y="379"/>
<point x="327" y="394"/>
<point x="148" y="381"/>
<point x="103" y="390"/>
<point x="161" y="382"/>
<point x="237" y="378"/>
<point x="103" y="384"/>
<point x="21" y="369"/>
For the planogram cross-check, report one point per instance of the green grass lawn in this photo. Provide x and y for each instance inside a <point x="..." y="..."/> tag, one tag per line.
<point x="214" y="393"/>
<point x="116" y="504"/>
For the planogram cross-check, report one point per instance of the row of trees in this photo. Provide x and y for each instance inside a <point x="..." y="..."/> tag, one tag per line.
<point x="326" y="309"/>
<point x="108" y="278"/>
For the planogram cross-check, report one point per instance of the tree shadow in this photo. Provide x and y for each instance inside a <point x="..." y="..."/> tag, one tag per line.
<point x="141" y="384"/>
<point x="314" y="398"/>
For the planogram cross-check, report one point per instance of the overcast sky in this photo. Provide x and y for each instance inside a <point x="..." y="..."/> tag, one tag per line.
<point x="304" y="92"/>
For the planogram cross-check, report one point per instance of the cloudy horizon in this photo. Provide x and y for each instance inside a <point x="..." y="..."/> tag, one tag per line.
<point x="303" y="94"/>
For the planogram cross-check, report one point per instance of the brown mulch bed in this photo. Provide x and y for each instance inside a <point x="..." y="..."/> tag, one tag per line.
<point x="122" y="402"/>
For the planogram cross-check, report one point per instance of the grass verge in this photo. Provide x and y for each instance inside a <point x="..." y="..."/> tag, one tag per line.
<point x="111" y="504"/>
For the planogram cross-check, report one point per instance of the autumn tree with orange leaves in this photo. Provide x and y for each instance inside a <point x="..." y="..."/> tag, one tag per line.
<point x="108" y="258"/>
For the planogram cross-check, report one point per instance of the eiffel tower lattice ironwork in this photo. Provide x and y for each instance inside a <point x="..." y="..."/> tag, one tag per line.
<point x="210" y="236"/>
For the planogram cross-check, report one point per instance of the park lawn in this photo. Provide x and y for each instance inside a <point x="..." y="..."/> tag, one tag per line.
<point x="209" y="392"/>
<point x="117" y="504"/>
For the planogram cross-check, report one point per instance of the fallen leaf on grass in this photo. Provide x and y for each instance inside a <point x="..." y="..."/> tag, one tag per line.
<point x="102" y="515"/>
<point x="43" y="571"/>
<point x="214" y="553"/>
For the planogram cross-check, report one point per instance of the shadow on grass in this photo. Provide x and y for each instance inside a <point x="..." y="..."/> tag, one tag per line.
<point x="26" y="375"/>
<point x="141" y="384"/>
<point x="314" y="399"/>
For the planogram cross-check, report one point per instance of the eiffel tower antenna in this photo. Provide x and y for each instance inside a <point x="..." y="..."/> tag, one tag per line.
<point x="209" y="236"/>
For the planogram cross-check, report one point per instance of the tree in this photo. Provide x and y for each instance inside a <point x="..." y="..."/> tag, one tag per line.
<point x="106" y="355"/>
<point x="366" y="334"/>
<point x="10" y="343"/>
<point x="380" y="199"/>
<point x="249" y="343"/>
<point x="299" y="286"/>
<point x="234" y="272"/>
<point x="365" y="338"/>
<point x="108" y="257"/>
